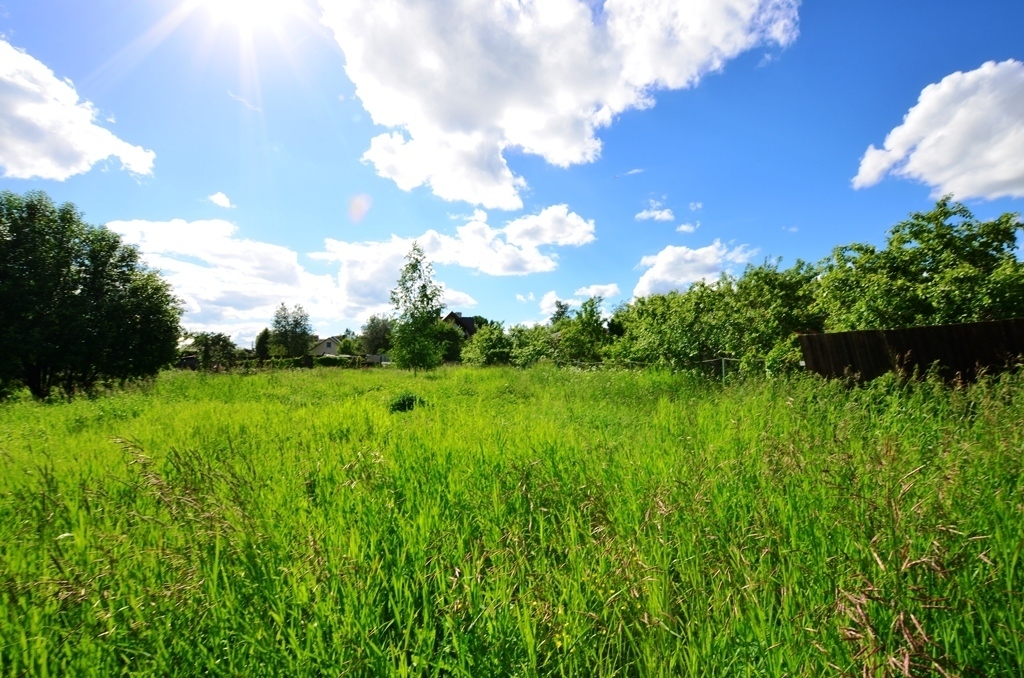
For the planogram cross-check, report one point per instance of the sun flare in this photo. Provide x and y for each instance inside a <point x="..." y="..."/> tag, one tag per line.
<point x="252" y="13"/>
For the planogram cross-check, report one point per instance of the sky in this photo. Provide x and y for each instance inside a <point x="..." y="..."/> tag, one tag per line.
<point x="261" y="152"/>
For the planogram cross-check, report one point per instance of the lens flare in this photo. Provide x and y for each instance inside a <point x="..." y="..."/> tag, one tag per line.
<point x="252" y="13"/>
<point x="359" y="206"/>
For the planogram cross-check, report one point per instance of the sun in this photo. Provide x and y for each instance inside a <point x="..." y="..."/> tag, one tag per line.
<point x="252" y="14"/>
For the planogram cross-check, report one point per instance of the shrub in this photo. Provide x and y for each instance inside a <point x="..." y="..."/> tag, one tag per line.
<point x="489" y="346"/>
<point x="404" y="402"/>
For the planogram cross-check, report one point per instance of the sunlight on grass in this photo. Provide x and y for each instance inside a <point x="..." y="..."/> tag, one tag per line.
<point x="536" y="522"/>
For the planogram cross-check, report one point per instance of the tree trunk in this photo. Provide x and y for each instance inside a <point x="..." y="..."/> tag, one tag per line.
<point x="35" y="379"/>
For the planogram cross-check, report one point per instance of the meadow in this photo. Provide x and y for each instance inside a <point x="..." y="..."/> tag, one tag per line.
<point x="536" y="522"/>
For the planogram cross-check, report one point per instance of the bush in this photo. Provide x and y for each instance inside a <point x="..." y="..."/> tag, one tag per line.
<point x="404" y="402"/>
<point x="489" y="346"/>
<point x="331" y="361"/>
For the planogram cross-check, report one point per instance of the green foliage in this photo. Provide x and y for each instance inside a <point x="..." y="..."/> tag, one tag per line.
<point x="291" y="331"/>
<point x="582" y="337"/>
<point x="375" y="337"/>
<point x="214" y="350"/>
<point x="937" y="267"/>
<point x="451" y="338"/>
<point x="752" y="319"/>
<point x="489" y="346"/>
<point x="404" y="402"/>
<point x="77" y="306"/>
<point x="533" y="522"/>
<point x="531" y="345"/>
<point x="333" y="361"/>
<point x="561" y="313"/>
<point x="417" y="302"/>
<point x="348" y="345"/>
<point x="262" y="347"/>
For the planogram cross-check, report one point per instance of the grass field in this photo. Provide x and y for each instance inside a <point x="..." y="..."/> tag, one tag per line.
<point x="536" y="522"/>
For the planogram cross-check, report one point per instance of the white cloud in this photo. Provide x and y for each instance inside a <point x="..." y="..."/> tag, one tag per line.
<point x="694" y="206"/>
<point x="656" y="212"/>
<point x="606" y="291"/>
<point x="46" y="132"/>
<point x="245" y="102"/>
<point x="221" y="200"/>
<point x="634" y="171"/>
<point x="232" y="284"/>
<point x="964" y="136"/>
<point x="512" y="250"/>
<point x="555" y="225"/>
<point x="688" y="228"/>
<point x="548" y="301"/>
<point x="452" y="297"/>
<point x="676" y="267"/>
<point x="460" y="82"/>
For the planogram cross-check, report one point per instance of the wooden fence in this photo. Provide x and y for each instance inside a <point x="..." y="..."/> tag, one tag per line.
<point x="961" y="351"/>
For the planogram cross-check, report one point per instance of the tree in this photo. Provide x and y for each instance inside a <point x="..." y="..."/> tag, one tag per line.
<point x="77" y="306"/>
<point x="417" y="302"/>
<point x="451" y="337"/>
<point x="375" y="336"/>
<point x="531" y="344"/>
<point x="489" y="346"/>
<point x="561" y="312"/>
<point x="262" y="347"/>
<point x="583" y="336"/>
<point x="291" y="330"/>
<point x="938" y="267"/>
<point x="214" y="349"/>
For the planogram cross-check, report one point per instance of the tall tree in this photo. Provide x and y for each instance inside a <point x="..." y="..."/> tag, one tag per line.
<point x="291" y="330"/>
<point x="417" y="302"/>
<point x="77" y="306"/>
<point x="584" y="336"/>
<point x="561" y="312"/>
<point x="375" y="336"/>
<point x="262" y="347"/>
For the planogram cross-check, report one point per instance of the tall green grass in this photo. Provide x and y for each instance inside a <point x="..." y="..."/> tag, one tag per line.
<point x="535" y="522"/>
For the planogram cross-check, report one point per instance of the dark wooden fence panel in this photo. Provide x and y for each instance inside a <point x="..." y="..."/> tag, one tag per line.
<point x="961" y="350"/>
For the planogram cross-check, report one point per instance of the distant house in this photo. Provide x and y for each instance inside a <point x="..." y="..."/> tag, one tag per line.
<point x="328" y="346"/>
<point x="468" y="325"/>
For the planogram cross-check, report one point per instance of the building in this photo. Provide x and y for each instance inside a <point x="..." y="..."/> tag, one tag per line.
<point x="328" y="346"/>
<point x="468" y="325"/>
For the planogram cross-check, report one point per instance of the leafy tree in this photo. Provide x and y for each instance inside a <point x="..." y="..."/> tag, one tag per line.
<point x="751" y="320"/>
<point x="291" y="331"/>
<point x="531" y="344"/>
<point x="77" y="306"/>
<point x="262" y="347"/>
<point x="451" y="337"/>
<point x="938" y="267"/>
<point x="348" y="344"/>
<point x="375" y="337"/>
<point x="480" y="321"/>
<point x="214" y="350"/>
<point x="417" y="302"/>
<point x="489" y="346"/>
<point x="561" y="312"/>
<point x="583" y="336"/>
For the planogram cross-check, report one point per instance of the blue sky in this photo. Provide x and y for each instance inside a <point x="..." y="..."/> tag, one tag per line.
<point x="521" y="143"/>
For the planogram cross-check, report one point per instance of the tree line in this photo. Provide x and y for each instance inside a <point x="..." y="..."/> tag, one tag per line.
<point x="79" y="310"/>
<point x="936" y="267"/>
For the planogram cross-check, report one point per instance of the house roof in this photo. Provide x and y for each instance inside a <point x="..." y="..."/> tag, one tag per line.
<point x="468" y="325"/>
<point x="326" y="339"/>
